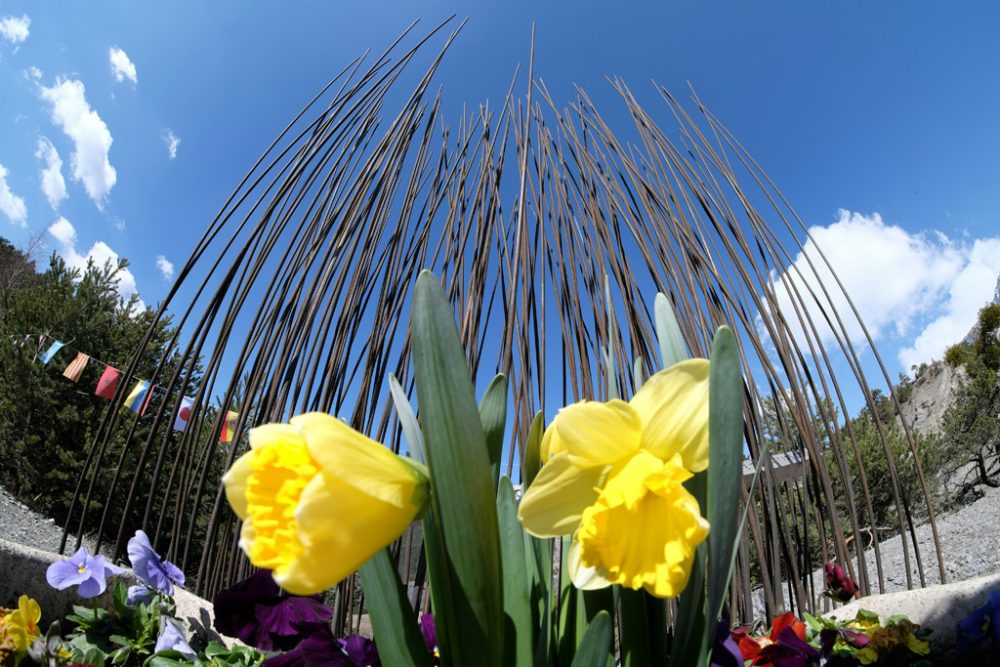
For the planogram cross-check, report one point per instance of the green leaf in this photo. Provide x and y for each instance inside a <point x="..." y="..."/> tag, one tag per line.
<point x="668" y="332"/>
<point x="634" y="629"/>
<point x="493" y="414"/>
<point x="532" y="461"/>
<point x="407" y="421"/>
<point x="596" y="643"/>
<point x="691" y="625"/>
<point x="462" y="490"/>
<point x="520" y="644"/>
<point x="393" y="620"/>
<point x="725" y="468"/>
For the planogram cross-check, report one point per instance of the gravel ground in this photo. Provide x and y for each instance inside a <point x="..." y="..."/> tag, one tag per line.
<point x="22" y="525"/>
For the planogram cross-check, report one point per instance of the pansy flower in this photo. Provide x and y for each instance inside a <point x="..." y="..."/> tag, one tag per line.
<point x="151" y="569"/>
<point x="171" y="638"/>
<point x="613" y="477"/>
<point x="21" y="624"/>
<point x="88" y="573"/>
<point x="973" y="630"/>
<point x="787" y="636"/>
<point x="839" y="586"/>
<point x="259" y="613"/>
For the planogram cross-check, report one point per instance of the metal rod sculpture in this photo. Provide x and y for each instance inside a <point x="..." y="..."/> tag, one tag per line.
<point x="541" y="221"/>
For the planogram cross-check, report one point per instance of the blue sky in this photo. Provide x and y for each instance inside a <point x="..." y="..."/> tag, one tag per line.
<point x="879" y="121"/>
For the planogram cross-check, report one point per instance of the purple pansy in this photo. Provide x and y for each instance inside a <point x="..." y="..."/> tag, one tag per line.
<point x="140" y="594"/>
<point x="839" y="586"/>
<point x="319" y="649"/>
<point x="973" y="630"/>
<point x="429" y="631"/>
<point x="260" y="614"/>
<point x="360" y="651"/>
<point x="89" y="573"/>
<point x="151" y="569"/>
<point x="725" y="650"/>
<point x="172" y="639"/>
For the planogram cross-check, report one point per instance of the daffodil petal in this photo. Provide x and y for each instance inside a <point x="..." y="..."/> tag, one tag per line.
<point x="644" y="528"/>
<point x="673" y="408"/>
<point x="554" y="502"/>
<point x="376" y="471"/>
<point x="340" y="528"/>
<point x="267" y="434"/>
<point x="552" y="444"/>
<point x="598" y="434"/>
<point x="235" y="483"/>
<point x="583" y="577"/>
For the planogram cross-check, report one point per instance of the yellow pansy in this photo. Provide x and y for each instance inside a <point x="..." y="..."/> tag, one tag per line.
<point x="318" y="499"/>
<point x="612" y="476"/>
<point x="22" y="623"/>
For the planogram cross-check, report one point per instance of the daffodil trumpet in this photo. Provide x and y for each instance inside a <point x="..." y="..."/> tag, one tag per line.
<point x="318" y="499"/>
<point x="613" y="477"/>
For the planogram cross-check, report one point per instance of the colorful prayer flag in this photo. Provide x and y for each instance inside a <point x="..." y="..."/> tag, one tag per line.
<point x="108" y="384"/>
<point x="51" y="352"/>
<point x="229" y="426"/>
<point x="138" y="398"/>
<point x="76" y="366"/>
<point x="184" y="414"/>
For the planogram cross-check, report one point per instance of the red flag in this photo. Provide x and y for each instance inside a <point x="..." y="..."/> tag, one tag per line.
<point x="108" y="384"/>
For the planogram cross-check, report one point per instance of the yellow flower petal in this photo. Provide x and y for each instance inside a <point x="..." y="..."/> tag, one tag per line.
<point x="280" y="470"/>
<point x="552" y="444"/>
<point x="598" y="434"/>
<point x="22" y="623"/>
<point x="340" y="528"/>
<point x="371" y="467"/>
<point x="673" y="408"/>
<point x="644" y="528"/>
<point x="583" y="577"/>
<point x="235" y="483"/>
<point x="554" y="502"/>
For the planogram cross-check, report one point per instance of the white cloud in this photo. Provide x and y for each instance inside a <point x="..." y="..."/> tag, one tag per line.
<point x="13" y="29"/>
<point x="121" y="66"/>
<point x="892" y="277"/>
<point x="91" y="137"/>
<point x="11" y="205"/>
<point x="172" y="141"/>
<point x="165" y="266"/>
<point x="921" y="290"/>
<point x="101" y="253"/>
<point x="970" y="291"/>
<point x="52" y="182"/>
<point x="33" y="73"/>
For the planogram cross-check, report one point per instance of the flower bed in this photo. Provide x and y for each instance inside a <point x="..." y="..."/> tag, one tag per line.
<point x="623" y="505"/>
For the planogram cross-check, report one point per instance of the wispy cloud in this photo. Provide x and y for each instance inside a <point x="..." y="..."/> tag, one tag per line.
<point x="172" y="141"/>
<point x="52" y="182"/>
<point x="165" y="266"/>
<point x="14" y="29"/>
<point x="121" y="66"/>
<point x="100" y="253"/>
<point x="11" y="205"/>
<point x="91" y="137"/>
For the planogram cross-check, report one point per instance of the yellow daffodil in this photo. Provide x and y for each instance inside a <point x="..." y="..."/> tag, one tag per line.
<point x="612" y="476"/>
<point x="22" y="623"/>
<point x="318" y="499"/>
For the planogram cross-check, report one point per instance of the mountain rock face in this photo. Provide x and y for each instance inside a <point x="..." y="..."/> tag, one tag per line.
<point x="933" y="393"/>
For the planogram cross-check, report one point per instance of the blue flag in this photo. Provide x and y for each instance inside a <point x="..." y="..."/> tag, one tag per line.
<point x="51" y="352"/>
